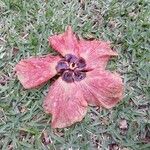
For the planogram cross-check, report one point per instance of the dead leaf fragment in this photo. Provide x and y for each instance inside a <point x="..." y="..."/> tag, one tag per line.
<point x="4" y="79"/>
<point x="15" y="50"/>
<point x="114" y="146"/>
<point x="123" y="124"/>
<point x="45" y="138"/>
<point x="82" y="2"/>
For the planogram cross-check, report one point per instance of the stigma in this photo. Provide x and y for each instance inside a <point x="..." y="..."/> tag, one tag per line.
<point x="71" y="68"/>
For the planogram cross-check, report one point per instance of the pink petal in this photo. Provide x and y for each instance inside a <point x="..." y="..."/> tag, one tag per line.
<point x="66" y="104"/>
<point x="96" y="53"/>
<point x="36" y="70"/>
<point x="65" y="43"/>
<point x="102" y="88"/>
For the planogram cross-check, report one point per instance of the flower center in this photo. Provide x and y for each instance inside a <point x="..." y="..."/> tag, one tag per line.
<point x="71" y="68"/>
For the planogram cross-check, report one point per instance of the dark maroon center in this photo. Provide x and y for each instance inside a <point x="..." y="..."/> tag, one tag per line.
<point x="71" y="68"/>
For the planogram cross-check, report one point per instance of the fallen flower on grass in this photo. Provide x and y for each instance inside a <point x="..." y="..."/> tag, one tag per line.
<point x="82" y="77"/>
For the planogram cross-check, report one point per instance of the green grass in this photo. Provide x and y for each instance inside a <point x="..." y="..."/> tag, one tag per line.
<point x="25" y="27"/>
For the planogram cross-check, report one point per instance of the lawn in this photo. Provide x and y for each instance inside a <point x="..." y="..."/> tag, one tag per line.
<point x="25" y="27"/>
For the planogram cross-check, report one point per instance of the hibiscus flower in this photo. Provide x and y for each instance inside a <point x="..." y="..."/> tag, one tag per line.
<point x="82" y="78"/>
